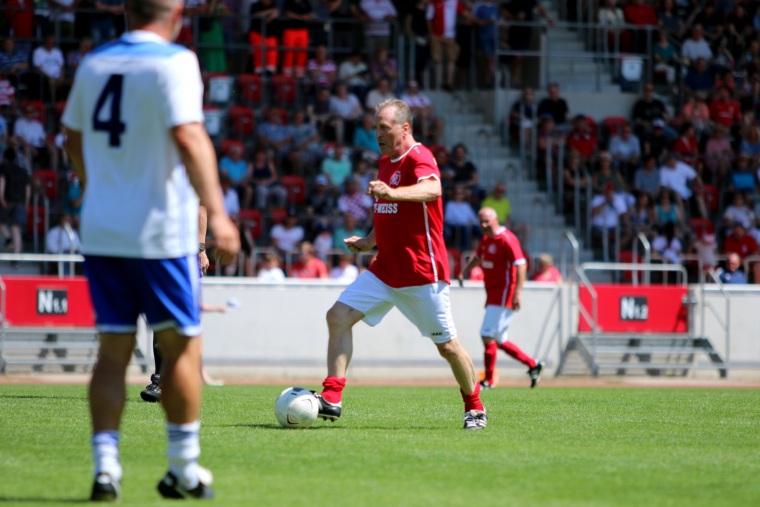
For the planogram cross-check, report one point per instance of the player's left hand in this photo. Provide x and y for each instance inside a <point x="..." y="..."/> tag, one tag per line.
<point x="203" y="261"/>
<point x="377" y="188"/>
<point x="516" y="301"/>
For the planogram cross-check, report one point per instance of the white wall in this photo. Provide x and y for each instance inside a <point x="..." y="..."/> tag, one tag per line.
<point x="280" y="331"/>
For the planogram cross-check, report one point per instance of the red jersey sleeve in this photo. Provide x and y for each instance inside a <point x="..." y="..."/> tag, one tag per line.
<point x="426" y="166"/>
<point x="514" y="250"/>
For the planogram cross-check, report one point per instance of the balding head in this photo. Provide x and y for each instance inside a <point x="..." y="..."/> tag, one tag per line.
<point x="489" y="221"/>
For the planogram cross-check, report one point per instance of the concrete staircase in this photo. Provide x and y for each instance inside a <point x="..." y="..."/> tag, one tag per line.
<point x="467" y="123"/>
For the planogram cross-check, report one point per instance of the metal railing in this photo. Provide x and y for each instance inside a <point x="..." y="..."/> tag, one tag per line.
<point x="725" y="322"/>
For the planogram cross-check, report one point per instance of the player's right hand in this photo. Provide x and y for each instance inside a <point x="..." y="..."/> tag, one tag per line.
<point x="357" y="245"/>
<point x="226" y="236"/>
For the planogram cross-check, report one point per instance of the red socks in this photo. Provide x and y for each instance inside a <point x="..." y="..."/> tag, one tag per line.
<point x="489" y="360"/>
<point x="515" y="351"/>
<point x="333" y="389"/>
<point x="472" y="401"/>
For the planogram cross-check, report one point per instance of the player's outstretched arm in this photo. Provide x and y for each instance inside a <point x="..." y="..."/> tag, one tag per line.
<point x="198" y="156"/>
<point x="358" y="245"/>
<point x="425" y="190"/>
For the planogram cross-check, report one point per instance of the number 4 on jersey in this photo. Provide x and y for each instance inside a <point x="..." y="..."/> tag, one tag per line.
<point x="113" y="125"/>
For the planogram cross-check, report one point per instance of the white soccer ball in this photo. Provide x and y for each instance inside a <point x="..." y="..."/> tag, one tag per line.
<point x="296" y="407"/>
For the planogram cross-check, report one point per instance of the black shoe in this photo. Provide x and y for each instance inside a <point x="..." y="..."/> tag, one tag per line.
<point x="484" y="384"/>
<point x="328" y="410"/>
<point x="152" y="392"/>
<point x="170" y="487"/>
<point x="105" y="489"/>
<point x="475" y="420"/>
<point x="535" y="374"/>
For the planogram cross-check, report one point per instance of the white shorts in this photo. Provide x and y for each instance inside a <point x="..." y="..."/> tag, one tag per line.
<point x="496" y="322"/>
<point x="427" y="306"/>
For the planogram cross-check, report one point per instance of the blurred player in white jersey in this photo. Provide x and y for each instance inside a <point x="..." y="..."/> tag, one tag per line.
<point x="411" y="271"/>
<point x="135" y="136"/>
<point x="504" y="267"/>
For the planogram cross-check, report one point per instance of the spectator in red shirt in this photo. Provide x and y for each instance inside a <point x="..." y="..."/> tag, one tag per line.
<point x="744" y="245"/>
<point x="640" y="13"/>
<point x="308" y="265"/>
<point x="724" y="110"/>
<point x="582" y="139"/>
<point x="687" y="146"/>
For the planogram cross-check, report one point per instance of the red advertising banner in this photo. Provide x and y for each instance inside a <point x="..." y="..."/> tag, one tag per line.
<point x="41" y="301"/>
<point x="625" y="308"/>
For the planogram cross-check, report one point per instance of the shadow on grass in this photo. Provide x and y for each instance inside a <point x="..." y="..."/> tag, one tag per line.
<point x="271" y="427"/>
<point x="325" y="427"/>
<point x="41" y="397"/>
<point x="56" y="501"/>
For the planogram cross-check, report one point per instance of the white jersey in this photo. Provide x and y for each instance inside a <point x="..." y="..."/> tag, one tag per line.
<point x="126" y="97"/>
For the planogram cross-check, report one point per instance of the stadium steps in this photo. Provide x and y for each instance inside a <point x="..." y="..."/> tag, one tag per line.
<point x="574" y="74"/>
<point x="653" y="354"/>
<point x="40" y="347"/>
<point x="466" y="122"/>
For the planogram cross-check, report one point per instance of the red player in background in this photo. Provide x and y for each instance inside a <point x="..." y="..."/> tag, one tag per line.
<point x="504" y="267"/>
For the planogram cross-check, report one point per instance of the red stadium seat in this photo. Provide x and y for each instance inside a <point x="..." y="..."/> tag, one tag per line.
<point x="251" y="218"/>
<point x="296" y="187"/>
<point x="47" y="182"/>
<point x="250" y="88"/>
<point x="277" y="215"/>
<point x="226" y="144"/>
<point x="285" y="89"/>
<point x="613" y="124"/>
<point x="242" y="120"/>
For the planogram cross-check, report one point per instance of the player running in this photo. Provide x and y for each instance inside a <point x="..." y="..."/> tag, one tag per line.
<point x="411" y="271"/>
<point x="135" y="135"/>
<point x="504" y="268"/>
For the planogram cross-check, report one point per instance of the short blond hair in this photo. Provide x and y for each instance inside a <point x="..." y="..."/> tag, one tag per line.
<point x="403" y="112"/>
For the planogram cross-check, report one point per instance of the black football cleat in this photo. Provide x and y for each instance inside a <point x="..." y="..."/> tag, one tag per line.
<point x="105" y="489"/>
<point x="535" y="374"/>
<point x="328" y="410"/>
<point x="170" y="487"/>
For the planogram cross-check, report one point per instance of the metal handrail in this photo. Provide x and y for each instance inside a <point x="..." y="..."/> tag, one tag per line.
<point x="569" y="237"/>
<point x="631" y="266"/>
<point x="725" y="324"/>
<point x="641" y="237"/>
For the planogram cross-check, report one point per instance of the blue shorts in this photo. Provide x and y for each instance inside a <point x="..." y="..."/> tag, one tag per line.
<point x="166" y="291"/>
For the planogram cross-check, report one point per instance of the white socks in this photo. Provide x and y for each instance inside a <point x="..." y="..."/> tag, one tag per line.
<point x="105" y="453"/>
<point x="183" y="452"/>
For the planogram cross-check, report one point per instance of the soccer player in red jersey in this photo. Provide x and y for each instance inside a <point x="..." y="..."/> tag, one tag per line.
<point x="504" y="267"/>
<point x="411" y="271"/>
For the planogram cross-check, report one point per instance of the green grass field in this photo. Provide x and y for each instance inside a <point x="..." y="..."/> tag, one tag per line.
<point x="404" y="446"/>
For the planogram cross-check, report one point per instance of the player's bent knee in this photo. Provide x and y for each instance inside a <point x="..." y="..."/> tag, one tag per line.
<point x="342" y="315"/>
<point x="449" y="349"/>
